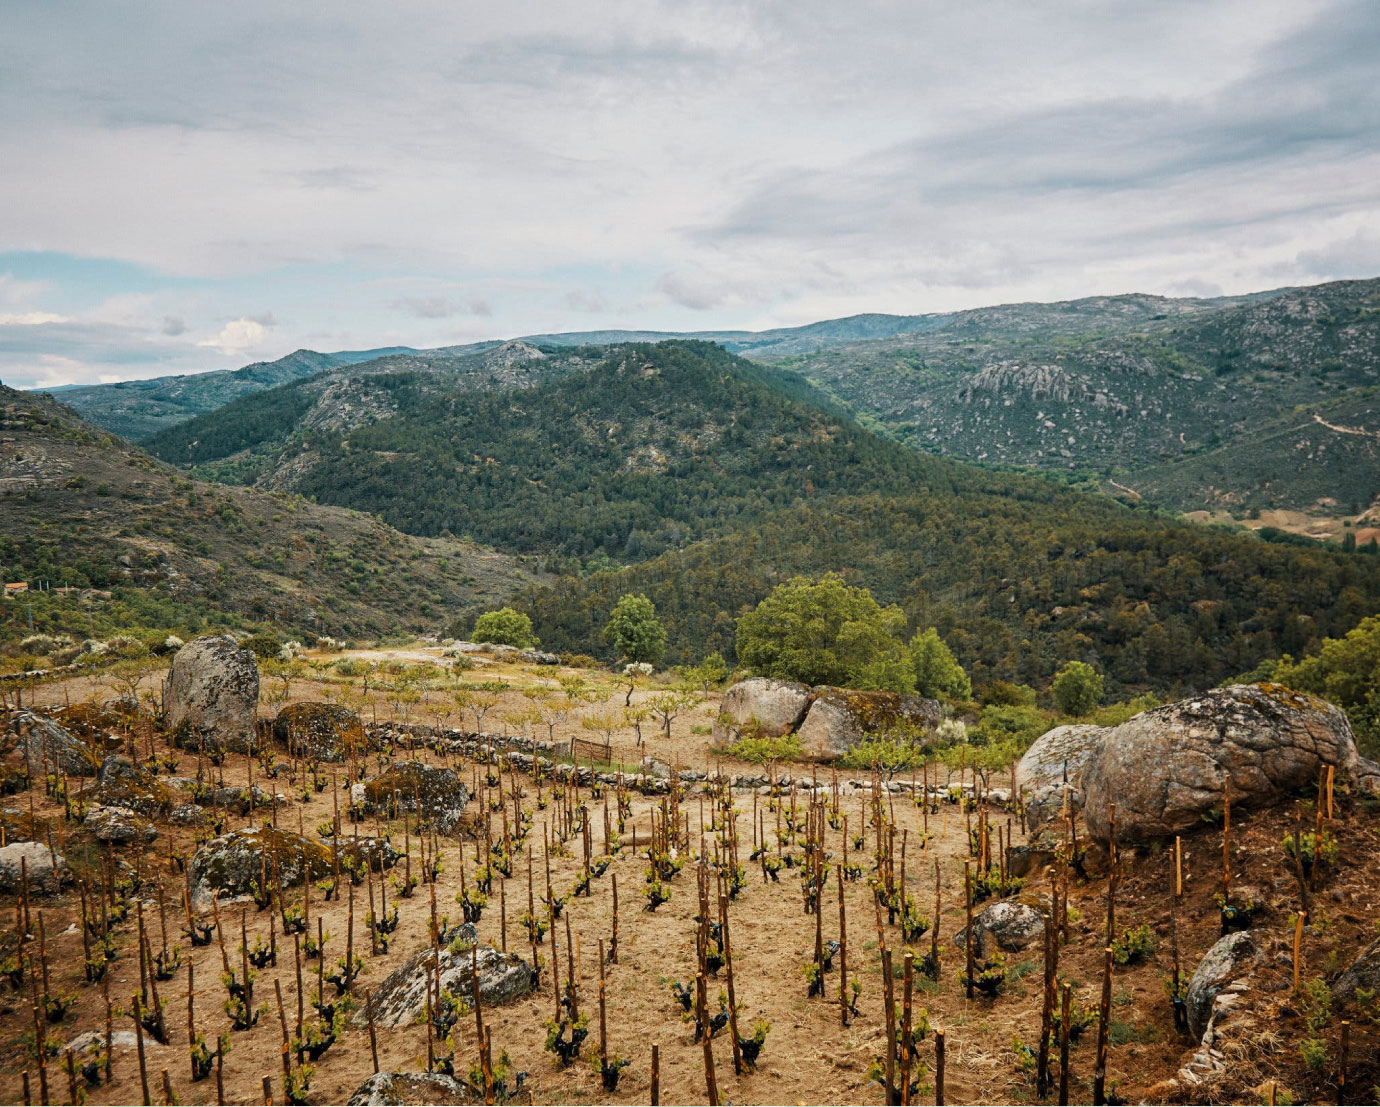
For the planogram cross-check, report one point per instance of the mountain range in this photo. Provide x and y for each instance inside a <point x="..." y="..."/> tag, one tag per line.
<point x="1258" y="408"/>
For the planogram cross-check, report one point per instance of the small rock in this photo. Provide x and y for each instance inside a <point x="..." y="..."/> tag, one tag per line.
<point x="1007" y="924"/>
<point x="406" y="1089"/>
<point x="37" y="859"/>
<point x="1215" y="974"/>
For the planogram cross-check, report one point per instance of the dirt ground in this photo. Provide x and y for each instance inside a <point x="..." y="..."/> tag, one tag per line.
<point x="809" y="1057"/>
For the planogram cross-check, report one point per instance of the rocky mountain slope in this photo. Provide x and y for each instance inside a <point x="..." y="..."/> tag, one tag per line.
<point x="81" y="507"/>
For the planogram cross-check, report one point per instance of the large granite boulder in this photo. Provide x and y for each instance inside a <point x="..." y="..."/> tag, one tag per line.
<point x="320" y="731"/>
<point x="132" y="787"/>
<point x="235" y="861"/>
<point x="1055" y="759"/>
<point x="1005" y="925"/>
<point x="213" y="696"/>
<point x="48" y="747"/>
<point x="1221" y="974"/>
<point x="772" y="707"/>
<point x="1169" y="766"/>
<point x="401" y="998"/>
<point x="412" y="1089"/>
<point x="47" y="872"/>
<point x="840" y="718"/>
<point x="439" y="795"/>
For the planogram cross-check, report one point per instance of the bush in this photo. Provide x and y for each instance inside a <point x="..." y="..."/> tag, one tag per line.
<point x="935" y="671"/>
<point x="634" y="630"/>
<point x="759" y="750"/>
<point x="504" y="627"/>
<point x="263" y="646"/>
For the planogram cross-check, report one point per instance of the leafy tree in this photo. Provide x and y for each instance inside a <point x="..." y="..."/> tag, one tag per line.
<point x="936" y="671"/>
<point x="504" y="627"/>
<point x="817" y="631"/>
<point x="1077" y="688"/>
<point x="891" y="672"/>
<point x="1346" y="671"/>
<point x="712" y="670"/>
<point x="635" y="631"/>
<point x="667" y="705"/>
<point x="263" y="646"/>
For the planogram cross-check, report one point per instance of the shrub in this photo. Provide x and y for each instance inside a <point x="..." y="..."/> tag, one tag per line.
<point x="263" y="646"/>
<point x="1077" y="688"/>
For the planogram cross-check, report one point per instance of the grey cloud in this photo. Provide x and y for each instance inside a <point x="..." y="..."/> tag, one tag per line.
<point x="440" y="307"/>
<point x="173" y="325"/>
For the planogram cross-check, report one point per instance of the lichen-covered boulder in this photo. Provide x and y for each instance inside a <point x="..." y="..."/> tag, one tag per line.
<point x="1055" y="759"/>
<point x="401" y="997"/>
<point x="47" y="871"/>
<point x="320" y="731"/>
<point x="46" y="746"/>
<point x="234" y="862"/>
<point x="1219" y="974"/>
<point x="123" y="784"/>
<point x="1363" y="973"/>
<point x="770" y="707"/>
<point x="119" y="825"/>
<point x="1169" y="766"/>
<point x="213" y="696"/>
<point x="238" y="799"/>
<point x="538" y="657"/>
<point x="1006" y="925"/>
<point x="438" y="795"/>
<point x="100" y="725"/>
<point x="840" y="718"/>
<point x="412" y="1089"/>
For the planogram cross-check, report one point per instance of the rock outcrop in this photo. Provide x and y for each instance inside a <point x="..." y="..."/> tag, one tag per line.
<point x="119" y="825"/>
<point x="320" y="731"/>
<point x="412" y="1089"/>
<point x="47" y="871"/>
<point x="46" y="746"/>
<point x="1362" y="973"/>
<point x="123" y="784"/>
<point x="439" y="795"/>
<point x="213" y="696"/>
<point x="1057" y="757"/>
<point x="401" y="997"/>
<point x="839" y="718"/>
<point x="1169" y="766"/>
<point x="771" y="707"/>
<point x="234" y="862"/>
<point x="1218" y="979"/>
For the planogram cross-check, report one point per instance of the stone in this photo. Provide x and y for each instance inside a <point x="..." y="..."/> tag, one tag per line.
<point x="37" y="860"/>
<point x="1007" y="925"/>
<point x="187" y="814"/>
<point x="320" y="731"/>
<point x="123" y="784"/>
<point x="45" y="743"/>
<point x="234" y="862"/>
<point x="236" y="798"/>
<point x="405" y="1089"/>
<point x="1218" y="972"/>
<point x="776" y="707"/>
<point x="119" y="825"/>
<point x="839" y="718"/>
<point x="213" y="696"/>
<point x="1167" y="768"/>
<point x="1057" y="756"/>
<point x="1363" y="973"/>
<point x="538" y="657"/>
<point x="401" y="997"/>
<point x="439" y="795"/>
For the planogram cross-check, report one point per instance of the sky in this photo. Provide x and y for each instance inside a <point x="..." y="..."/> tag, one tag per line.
<point x="195" y="186"/>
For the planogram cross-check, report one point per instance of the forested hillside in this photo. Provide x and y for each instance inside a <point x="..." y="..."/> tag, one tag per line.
<point x="712" y="478"/>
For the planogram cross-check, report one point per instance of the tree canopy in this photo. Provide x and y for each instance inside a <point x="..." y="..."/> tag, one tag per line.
<point x="1346" y="671"/>
<point x="936" y="671"/>
<point x="504" y="627"/>
<point x="817" y="632"/>
<point x="1077" y="688"/>
<point x="635" y="631"/>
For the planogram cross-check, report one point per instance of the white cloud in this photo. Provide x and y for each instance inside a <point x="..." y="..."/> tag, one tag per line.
<point x="238" y="336"/>
<point x="31" y="318"/>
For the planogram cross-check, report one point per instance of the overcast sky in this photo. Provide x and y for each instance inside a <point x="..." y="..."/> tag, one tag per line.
<point x="191" y="186"/>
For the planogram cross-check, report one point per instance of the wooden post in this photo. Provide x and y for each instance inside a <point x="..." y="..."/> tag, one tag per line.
<point x="1103" y="1023"/>
<point x="1299" y="920"/>
<point x="938" y="1067"/>
<point x="843" y="944"/>
<point x="656" y="1075"/>
<point x="139" y="1043"/>
<point x="373" y="1038"/>
<point x="1046" y="1013"/>
<point x="711" y="1085"/>
<point x="1064" y="1048"/>
<point x="969" y="944"/>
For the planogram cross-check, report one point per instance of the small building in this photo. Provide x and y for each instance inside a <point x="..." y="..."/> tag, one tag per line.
<point x="16" y="588"/>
